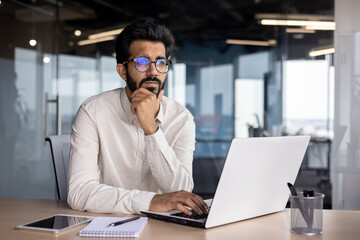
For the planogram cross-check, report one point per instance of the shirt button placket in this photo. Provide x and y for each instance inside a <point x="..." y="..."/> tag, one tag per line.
<point x="140" y="157"/>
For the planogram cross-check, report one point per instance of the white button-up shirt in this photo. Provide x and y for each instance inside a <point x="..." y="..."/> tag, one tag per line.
<point x="114" y="167"/>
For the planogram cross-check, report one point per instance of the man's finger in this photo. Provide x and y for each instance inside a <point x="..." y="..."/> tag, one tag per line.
<point x="190" y="203"/>
<point x="182" y="208"/>
<point x="200" y="202"/>
<point x="139" y="94"/>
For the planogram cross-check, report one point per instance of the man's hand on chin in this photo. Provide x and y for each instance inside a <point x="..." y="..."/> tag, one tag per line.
<point x="146" y="105"/>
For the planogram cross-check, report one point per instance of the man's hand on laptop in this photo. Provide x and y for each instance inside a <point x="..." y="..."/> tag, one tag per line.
<point x="178" y="200"/>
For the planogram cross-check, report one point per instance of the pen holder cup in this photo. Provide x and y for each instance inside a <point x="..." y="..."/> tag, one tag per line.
<point x="307" y="214"/>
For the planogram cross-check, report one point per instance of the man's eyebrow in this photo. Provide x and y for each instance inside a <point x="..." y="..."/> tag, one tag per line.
<point x="157" y="58"/>
<point x="141" y="56"/>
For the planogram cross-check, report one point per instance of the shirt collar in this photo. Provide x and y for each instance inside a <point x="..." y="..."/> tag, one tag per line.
<point x="126" y="106"/>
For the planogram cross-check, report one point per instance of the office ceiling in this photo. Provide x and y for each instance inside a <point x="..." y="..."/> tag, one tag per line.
<point x="202" y="20"/>
<point x="198" y="21"/>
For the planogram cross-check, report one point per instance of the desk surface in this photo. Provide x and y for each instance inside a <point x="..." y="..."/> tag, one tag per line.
<point x="337" y="224"/>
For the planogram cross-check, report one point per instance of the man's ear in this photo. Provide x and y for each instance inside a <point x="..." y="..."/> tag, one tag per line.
<point x="121" y="69"/>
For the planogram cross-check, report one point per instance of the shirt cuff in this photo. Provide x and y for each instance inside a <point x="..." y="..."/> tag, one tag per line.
<point x="141" y="201"/>
<point x="156" y="139"/>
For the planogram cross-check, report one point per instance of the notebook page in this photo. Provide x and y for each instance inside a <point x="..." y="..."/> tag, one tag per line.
<point x="99" y="227"/>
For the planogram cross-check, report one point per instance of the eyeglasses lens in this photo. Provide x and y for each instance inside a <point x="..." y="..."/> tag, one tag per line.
<point x="162" y="65"/>
<point x="143" y="64"/>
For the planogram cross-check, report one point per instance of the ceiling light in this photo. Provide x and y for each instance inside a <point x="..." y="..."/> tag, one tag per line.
<point x="32" y="42"/>
<point x="295" y="16"/>
<point x="299" y="30"/>
<point x="321" y="52"/>
<point x="96" y="40"/>
<point x="77" y="33"/>
<point x="272" y="42"/>
<point x="311" y="27"/>
<point x="251" y="42"/>
<point x="105" y="34"/>
<point x="46" y="59"/>
<point x="279" y="22"/>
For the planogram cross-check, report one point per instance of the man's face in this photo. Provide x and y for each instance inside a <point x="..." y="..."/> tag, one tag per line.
<point x="150" y="79"/>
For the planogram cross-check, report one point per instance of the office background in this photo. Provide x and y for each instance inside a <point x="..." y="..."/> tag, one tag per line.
<point x="49" y="65"/>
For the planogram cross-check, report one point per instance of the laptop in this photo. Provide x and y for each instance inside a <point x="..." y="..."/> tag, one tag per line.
<point x="253" y="181"/>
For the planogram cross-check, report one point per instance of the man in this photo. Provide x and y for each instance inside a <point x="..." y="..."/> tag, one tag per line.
<point x="132" y="148"/>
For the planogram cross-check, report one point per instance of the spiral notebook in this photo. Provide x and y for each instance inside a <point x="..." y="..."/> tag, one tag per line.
<point x="99" y="227"/>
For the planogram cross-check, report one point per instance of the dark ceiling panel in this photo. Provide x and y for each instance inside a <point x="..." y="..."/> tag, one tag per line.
<point x="198" y="21"/>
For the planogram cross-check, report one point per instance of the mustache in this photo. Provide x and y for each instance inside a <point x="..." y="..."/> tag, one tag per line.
<point x="150" y="79"/>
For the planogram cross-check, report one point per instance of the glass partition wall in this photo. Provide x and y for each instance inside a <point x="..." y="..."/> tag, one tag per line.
<point x="232" y="90"/>
<point x="27" y="72"/>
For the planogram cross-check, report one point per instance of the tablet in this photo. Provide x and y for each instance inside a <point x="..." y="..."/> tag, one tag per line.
<point x="56" y="223"/>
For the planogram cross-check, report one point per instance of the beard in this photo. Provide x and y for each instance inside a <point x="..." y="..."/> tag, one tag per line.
<point x="131" y="83"/>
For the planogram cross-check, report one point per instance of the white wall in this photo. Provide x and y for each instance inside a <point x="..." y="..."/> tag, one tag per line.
<point x="345" y="164"/>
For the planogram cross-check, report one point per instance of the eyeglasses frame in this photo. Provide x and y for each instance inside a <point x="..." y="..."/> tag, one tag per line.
<point x="133" y="59"/>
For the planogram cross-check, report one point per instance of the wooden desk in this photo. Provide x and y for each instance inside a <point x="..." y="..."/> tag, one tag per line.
<point x="337" y="224"/>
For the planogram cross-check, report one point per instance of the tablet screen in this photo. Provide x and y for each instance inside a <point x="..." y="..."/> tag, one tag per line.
<point x="56" y="223"/>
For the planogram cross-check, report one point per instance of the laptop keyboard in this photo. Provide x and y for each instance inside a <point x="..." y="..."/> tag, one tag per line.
<point x="194" y="215"/>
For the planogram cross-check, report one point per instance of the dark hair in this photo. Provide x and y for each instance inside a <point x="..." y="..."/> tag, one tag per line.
<point x="143" y="29"/>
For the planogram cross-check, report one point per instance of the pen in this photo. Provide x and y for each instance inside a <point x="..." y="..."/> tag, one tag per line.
<point x="298" y="203"/>
<point x="309" y="193"/>
<point x="123" y="221"/>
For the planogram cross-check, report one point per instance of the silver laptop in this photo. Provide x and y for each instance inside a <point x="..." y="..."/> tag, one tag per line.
<point x="253" y="181"/>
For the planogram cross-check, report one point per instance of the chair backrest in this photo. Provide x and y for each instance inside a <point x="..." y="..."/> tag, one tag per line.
<point x="60" y="151"/>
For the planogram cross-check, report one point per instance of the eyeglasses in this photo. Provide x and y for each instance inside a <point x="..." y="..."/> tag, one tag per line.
<point x="142" y="64"/>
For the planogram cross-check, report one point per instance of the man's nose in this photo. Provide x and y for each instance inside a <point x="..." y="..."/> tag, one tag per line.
<point x="152" y="70"/>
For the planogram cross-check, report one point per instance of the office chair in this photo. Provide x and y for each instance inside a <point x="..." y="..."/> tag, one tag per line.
<point x="60" y="150"/>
